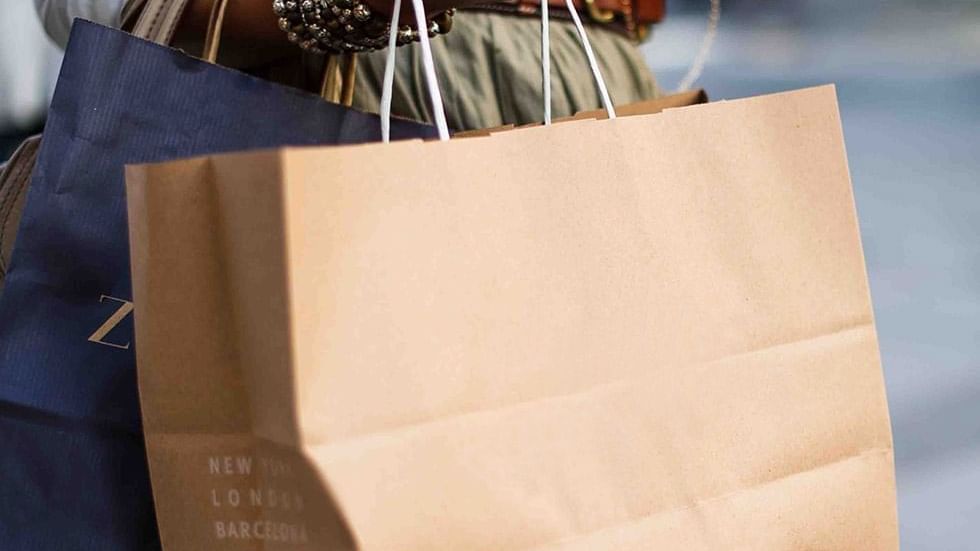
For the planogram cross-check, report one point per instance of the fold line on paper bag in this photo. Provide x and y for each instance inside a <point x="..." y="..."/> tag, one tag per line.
<point x="721" y="497"/>
<point x="389" y="431"/>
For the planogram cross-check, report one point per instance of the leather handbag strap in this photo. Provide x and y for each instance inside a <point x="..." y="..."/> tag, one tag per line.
<point x="15" y="177"/>
<point x="154" y="20"/>
<point x="130" y="11"/>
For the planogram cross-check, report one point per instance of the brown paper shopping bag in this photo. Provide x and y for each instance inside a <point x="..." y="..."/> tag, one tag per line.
<point x="645" y="107"/>
<point x="537" y="340"/>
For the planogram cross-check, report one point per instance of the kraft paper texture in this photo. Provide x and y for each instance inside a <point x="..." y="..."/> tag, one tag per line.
<point x="652" y="332"/>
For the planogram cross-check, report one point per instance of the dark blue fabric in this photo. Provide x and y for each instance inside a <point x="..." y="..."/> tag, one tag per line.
<point x="72" y="465"/>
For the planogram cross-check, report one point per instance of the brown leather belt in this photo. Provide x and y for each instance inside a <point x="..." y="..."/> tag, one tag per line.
<point x="629" y="16"/>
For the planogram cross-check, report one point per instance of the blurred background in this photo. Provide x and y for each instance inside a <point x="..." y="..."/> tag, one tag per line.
<point x="908" y="77"/>
<point x="28" y="68"/>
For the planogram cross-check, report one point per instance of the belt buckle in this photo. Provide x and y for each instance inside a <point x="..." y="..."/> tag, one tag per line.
<point x="598" y="14"/>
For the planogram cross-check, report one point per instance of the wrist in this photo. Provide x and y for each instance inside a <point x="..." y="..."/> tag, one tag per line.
<point x="326" y="26"/>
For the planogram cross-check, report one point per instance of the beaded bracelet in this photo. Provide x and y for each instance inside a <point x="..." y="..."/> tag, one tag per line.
<point x="324" y="26"/>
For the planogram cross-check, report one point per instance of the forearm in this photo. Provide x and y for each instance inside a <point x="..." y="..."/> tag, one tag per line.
<point x="247" y="24"/>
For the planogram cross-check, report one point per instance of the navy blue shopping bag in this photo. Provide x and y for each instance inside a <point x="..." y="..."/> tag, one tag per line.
<point x="72" y="465"/>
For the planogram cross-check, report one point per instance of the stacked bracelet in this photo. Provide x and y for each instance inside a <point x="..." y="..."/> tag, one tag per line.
<point x="323" y="26"/>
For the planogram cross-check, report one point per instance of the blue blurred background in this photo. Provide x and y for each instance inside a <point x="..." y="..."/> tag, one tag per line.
<point x="908" y="76"/>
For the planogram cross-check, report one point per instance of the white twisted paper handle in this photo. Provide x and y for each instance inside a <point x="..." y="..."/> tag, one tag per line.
<point x="701" y="59"/>
<point x="432" y="84"/>
<point x="428" y="65"/>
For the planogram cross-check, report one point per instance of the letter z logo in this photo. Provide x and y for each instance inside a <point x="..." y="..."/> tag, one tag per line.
<point x="120" y="314"/>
